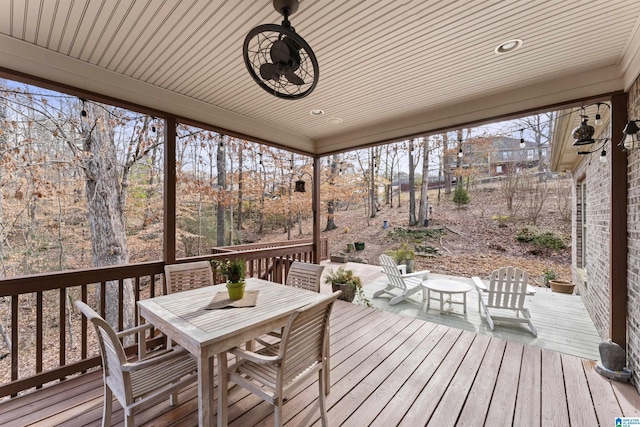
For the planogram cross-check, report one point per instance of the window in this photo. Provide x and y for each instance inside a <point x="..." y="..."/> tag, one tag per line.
<point x="581" y="224"/>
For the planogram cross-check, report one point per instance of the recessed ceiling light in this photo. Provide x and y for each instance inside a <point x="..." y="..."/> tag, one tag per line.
<point x="334" y="120"/>
<point x="316" y="112"/>
<point x="508" y="46"/>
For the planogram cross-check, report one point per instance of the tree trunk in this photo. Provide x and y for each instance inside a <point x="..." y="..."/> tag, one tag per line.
<point x="424" y="188"/>
<point x="105" y="212"/>
<point x="240" y="185"/>
<point x="290" y="215"/>
<point x="331" y="225"/>
<point x="372" y="182"/>
<point x="446" y="164"/>
<point x="412" y="186"/>
<point x="222" y="187"/>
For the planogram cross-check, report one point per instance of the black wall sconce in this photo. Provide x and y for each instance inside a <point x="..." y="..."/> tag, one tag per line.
<point x="631" y="139"/>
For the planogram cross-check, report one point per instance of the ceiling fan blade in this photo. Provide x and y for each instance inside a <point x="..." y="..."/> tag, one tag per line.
<point x="279" y="51"/>
<point x="269" y="71"/>
<point x="293" y="78"/>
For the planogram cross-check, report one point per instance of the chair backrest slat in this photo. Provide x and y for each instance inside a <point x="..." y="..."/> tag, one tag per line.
<point x="303" y="339"/>
<point x="507" y="288"/>
<point x="112" y="352"/>
<point x="191" y="275"/>
<point x="390" y="268"/>
<point x="305" y="275"/>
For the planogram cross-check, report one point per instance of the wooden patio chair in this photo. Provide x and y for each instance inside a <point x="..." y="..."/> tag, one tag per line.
<point x="190" y="275"/>
<point x="273" y="371"/>
<point x="142" y="383"/>
<point x="506" y="293"/>
<point x="408" y="284"/>
<point x="305" y="275"/>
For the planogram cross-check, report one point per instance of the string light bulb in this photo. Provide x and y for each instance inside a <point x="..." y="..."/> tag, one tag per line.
<point x="603" y="156"/>
<point x="598" y="120"/>
<point x="83" y="113"/>
<point x="522" y="144"/>
<point x="460" y="152"/>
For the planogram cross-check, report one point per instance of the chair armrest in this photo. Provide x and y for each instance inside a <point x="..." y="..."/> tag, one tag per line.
<point x="479" y="284"/>
<point x="135" y="330"/>
<point x="255" y="357"/>
<point x="422" y="273"/>
<point x="145" y="363"/>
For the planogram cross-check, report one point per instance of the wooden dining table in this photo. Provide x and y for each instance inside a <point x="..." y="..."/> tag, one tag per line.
<point x="206" y="333"/>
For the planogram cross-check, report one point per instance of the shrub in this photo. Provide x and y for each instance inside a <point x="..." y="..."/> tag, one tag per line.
<point x="402" y="254"/>
<point x="545" y="239"/>
<point x="549" y="240"/>
<point x="461" y="196"/>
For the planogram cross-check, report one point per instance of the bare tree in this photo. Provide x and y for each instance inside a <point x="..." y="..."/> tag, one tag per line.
<point x="540" y="127"/>
<point x="412" y="183"/>
<point x="333" y="170"/>
<point x="424" y="188"/>
<point x="536" y="194"/>
<point x="510" y="187"/>
<point x="221" y="164"/>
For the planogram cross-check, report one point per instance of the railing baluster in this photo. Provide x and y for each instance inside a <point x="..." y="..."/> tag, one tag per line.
<point x="14" y="338"/>
<point x="39" y="323"/>
<point x="137" y="298"/>
<point x="63" y="327"/>
<point x="83" y="324"/>
<point x="121" y="304"/>
<point x="103" y="299"/>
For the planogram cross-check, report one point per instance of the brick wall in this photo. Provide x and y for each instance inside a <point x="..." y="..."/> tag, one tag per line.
<point x="593" y="280"/>
<point x="633" y="250"/>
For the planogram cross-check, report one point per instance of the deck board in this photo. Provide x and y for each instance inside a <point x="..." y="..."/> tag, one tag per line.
<point x="554" y="403"/>
<point x="581" y="411"/>
<point x="527" y="411"/>
<point x="503" y="402"/>
<point x="386" y="370"/>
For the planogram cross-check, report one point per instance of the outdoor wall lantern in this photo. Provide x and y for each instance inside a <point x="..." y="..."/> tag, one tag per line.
<point x="631" y="139"/>
<point x="583" y="134"/>
<point x="300" y="183"/>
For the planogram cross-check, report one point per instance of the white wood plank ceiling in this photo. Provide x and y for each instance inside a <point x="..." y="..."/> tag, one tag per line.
<point x="388" y="69"/>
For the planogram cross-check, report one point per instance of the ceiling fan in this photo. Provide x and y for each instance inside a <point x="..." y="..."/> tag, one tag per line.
<point x="278" y="59"/>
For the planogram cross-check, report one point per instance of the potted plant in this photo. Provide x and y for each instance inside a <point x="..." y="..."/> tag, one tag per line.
<point x="346" y="281"/>
<point x="404" y="255"/>
<point x="234" y="272"/>
<point x="547" y="275"/>
<point x="550" y="279"/>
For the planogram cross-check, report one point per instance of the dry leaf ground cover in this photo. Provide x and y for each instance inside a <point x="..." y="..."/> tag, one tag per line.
<point x="476" y="239"/>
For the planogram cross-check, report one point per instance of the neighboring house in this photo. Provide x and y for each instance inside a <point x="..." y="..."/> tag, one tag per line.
<point x="503" y="154"/>
<point x="506" y="154"/>
<point x="606" y="220"/>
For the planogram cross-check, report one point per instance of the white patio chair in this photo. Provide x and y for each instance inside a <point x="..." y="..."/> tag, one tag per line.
<point x="142" y="383"/>
<point x="273" y="371"/>
<point x="408" y="284"/>
<point x="506" y="293"/>
<point x="305" y="275"/>
<point x="190" y="275"/>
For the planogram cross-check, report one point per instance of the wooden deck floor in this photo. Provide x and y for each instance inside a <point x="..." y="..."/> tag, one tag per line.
<point x="388" y="370"/>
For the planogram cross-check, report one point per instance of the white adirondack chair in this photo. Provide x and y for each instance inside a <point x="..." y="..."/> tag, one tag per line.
<point x="506" y="293"/>
<point x="408" y="284"/>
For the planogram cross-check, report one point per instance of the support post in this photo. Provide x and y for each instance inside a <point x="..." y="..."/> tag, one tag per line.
<point x="315" y="207"/>
<point x="618" y="241"/>
<point x="169" y="233"/>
